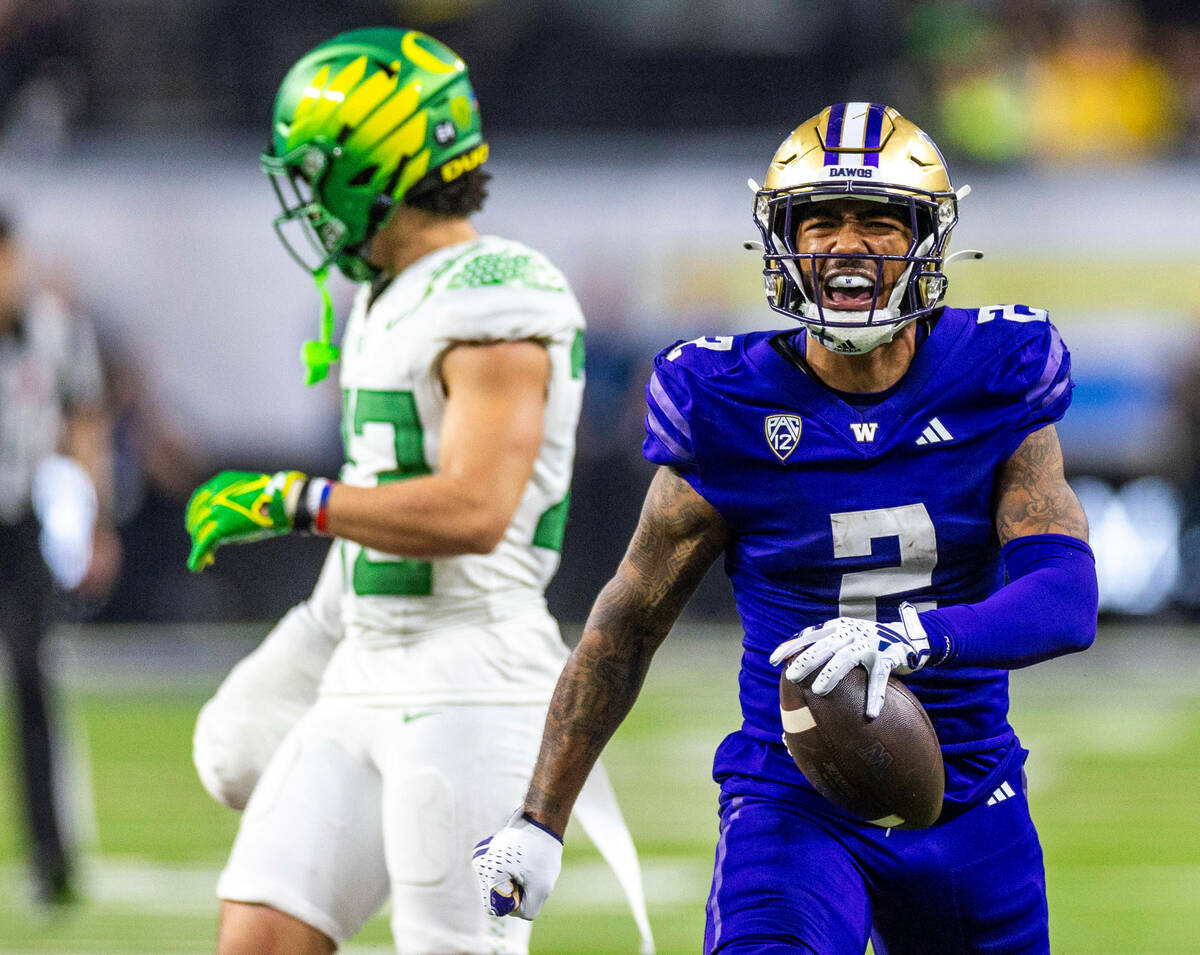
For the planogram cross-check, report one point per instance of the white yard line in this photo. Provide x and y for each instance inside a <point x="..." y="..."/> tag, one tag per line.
<point x="188" y="890"/>
<point x="131" y="886"/>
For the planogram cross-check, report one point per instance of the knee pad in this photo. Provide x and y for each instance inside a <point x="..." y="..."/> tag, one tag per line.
<point x="256" y="706"/>
<point x="422" y="836"/>
<point x="229" y="753"/>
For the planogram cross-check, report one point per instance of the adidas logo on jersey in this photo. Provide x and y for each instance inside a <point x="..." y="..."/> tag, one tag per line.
<point x="1001" y="794"/>
<point x="864" y="431"/>
<point x="936" y="433"/>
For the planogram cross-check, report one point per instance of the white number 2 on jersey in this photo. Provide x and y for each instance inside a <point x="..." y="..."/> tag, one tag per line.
<point x="715" y="343"/>
<point x="1012" y="313"/>
<point x="853" y="532"/>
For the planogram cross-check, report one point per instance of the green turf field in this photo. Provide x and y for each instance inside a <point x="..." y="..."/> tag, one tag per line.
<point x="1114" y="783"/>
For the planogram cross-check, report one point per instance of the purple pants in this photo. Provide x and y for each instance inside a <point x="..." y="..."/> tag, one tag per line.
<point x="792" y="875"/>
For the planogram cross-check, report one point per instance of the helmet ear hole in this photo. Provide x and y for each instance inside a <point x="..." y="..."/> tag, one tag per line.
<point x="380" y="208"/>
<point x="779" y="290"/>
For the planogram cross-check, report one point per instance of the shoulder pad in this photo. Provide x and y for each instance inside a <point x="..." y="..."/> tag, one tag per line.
<point x="702" y="355"/>
<point x="1034" y="364"/>
<point x="1009" y="318"/>
<point x="668" y="409"/>
<point x="508" y="265"/>
<point x="505" y="290"/>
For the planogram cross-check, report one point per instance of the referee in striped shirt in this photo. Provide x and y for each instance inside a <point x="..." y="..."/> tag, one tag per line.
<point x="55" y="491"/>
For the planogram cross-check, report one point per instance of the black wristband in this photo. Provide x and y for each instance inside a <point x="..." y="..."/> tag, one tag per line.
<point x="302" y="520"/>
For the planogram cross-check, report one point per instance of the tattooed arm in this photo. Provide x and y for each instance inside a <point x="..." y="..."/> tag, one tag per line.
<point x="1048" y="608"/>
<point x="678" y="537"/>
<point x="1033" y="496"/>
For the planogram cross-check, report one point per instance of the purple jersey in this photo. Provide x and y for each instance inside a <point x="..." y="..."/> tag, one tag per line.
<point x="840" y="509"/>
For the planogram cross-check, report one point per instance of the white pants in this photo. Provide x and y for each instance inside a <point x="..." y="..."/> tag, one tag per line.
<point x="362" y="800"/>
<point x="346" y="795"/>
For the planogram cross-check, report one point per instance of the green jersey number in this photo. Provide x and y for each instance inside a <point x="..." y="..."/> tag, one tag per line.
<point x="393" y="576"/>
<point x="403" y="576"/>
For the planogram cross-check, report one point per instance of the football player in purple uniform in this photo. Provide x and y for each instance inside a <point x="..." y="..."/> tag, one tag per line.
<point x="887" y="489"/>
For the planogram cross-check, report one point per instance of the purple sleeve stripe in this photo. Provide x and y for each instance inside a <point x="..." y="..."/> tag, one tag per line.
<point x="667" y="406"/>
<point x="677" y="450"/>
<point x="1054" y="359"/>
<point x="1050" y="398"/>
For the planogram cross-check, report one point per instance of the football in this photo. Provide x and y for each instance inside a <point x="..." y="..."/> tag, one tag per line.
<point x="887" y="770"/>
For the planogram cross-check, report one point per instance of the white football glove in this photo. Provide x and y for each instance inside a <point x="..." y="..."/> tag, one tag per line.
<point x="843" y="643"/>
<point x="64" y="500"/>
<point x="517" y="867"/>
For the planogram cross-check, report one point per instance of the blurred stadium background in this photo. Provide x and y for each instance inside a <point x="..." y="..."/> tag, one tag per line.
<point x="623" y="134"/>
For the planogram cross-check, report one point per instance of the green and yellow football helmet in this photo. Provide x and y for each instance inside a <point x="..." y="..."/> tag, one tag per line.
<point x="857" y="151"/>
<point x="360" y="121"/>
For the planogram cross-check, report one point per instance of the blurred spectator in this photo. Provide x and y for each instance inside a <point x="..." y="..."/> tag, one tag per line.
<point x="1100" y="93"/>
<point x="1010" y="78"/>
<point x="1180" y="45"/>
<point x="1063" y="82"/>
<point x="979" y="74"/>
<point x="40" y="76"/>
<point x="55" y="521"/>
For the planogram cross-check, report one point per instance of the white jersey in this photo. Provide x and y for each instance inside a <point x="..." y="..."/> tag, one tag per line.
<point x="488" y="289"/>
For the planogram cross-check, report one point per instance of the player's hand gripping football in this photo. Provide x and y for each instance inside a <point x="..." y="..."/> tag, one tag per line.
<point x="843" y="643"/>
<point x="236" y="507"/>
<point x="517" y="867"/>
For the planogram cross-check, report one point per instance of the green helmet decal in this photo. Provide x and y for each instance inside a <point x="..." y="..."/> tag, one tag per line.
<point x="357" y="123"/>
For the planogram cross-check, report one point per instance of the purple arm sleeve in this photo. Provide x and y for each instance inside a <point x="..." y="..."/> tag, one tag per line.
<point x="1048" y="608"/>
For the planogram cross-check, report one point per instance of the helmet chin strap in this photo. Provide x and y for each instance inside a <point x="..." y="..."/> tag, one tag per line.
<point x="318" y="355"/>
<point x="855" y="340"/>
<point x="866" y="336"/>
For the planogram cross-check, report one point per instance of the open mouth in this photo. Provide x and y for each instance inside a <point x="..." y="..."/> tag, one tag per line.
<point x="851" y="291"/>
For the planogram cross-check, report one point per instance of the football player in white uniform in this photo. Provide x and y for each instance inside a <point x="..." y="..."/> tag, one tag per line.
<point x="428" y="633"/>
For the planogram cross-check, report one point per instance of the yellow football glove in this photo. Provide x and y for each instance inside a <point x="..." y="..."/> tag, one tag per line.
<point x="236" y="507"/>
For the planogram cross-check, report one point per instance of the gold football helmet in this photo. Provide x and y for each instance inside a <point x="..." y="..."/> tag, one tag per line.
<point x="858" y="151"/>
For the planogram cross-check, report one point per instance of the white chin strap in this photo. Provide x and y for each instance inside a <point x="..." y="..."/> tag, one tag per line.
<point x="853" y="340"/>
<point x="860" y="337"/>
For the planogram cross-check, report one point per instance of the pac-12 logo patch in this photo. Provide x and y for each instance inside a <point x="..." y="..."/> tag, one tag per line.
<point x="783" y="434"/>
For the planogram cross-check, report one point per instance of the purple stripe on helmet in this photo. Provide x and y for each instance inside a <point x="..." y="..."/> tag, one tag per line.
<point x="874" y="128"/>
<point x="833" y="133"/>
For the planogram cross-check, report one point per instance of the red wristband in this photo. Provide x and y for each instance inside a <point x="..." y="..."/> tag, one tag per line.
<point x="321" y="519"/>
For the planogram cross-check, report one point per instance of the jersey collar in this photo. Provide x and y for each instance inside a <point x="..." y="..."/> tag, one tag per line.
<point x="805" y="394"/>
